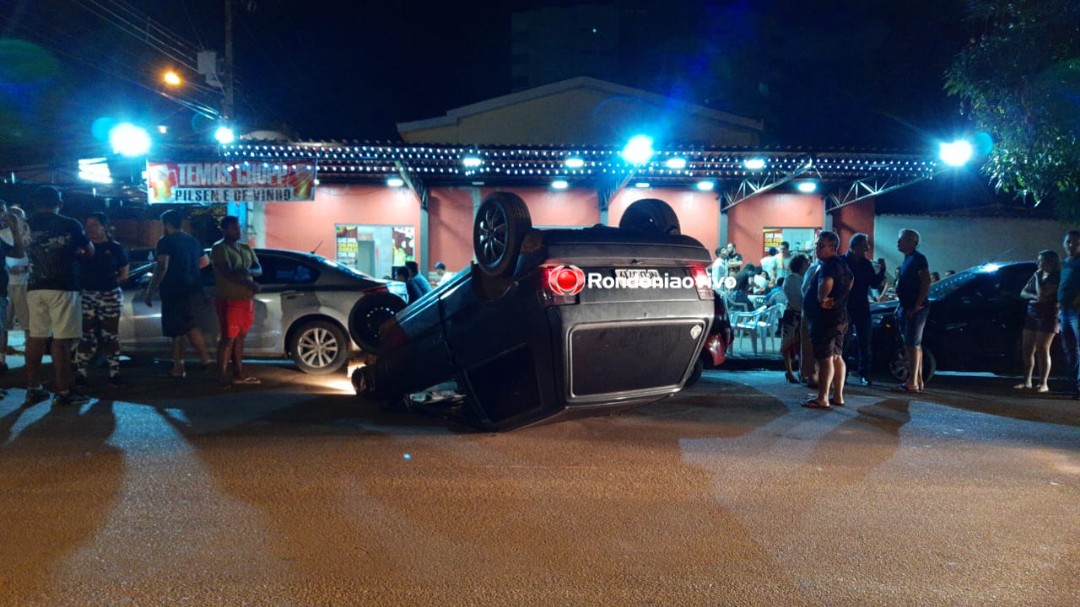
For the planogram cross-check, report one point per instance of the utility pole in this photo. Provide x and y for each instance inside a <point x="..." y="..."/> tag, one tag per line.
<point x="227" y="109"/>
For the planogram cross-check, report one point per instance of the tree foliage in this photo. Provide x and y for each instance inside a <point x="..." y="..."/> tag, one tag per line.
<point x="1020" y="82"/>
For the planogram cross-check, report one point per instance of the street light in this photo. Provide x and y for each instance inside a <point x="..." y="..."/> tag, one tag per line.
<point x="171" y="78"/>
<point x="638" y="150"/>
<point x="224" y="135"/>
<point x="127" y="139"/>
<point x="956" y="153"/>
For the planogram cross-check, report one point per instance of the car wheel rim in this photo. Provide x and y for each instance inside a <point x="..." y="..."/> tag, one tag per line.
<point x="318" y="348"/>
<point x="898" y="367"/>
<point x="493" y="229"/>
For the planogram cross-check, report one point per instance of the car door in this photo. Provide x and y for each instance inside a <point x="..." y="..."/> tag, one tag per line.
<point x="986" y="331"/>
<point x="288" y="290"/>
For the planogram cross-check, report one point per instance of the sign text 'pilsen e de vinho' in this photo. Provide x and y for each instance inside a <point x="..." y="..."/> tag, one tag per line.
<point x="219" y="182"/>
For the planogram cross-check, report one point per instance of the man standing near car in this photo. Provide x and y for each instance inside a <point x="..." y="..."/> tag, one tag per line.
<point x="825" y="308"/>
<point x="180" y="259"/>
<point x="912" y="289"/>
<point x="235" y="269"/>
<point x="1069" y="300"/>
<point x="56" y="245"/>
<point x="858" y="306"/>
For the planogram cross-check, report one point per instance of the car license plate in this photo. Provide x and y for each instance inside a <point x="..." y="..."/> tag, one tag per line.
<point x="637" y="273"/>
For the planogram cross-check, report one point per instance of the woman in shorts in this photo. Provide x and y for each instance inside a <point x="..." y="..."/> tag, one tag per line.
<point x="1041" y="321"/>
<point x="790" y="324"/>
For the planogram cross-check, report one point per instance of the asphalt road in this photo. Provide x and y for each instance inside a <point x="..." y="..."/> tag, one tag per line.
<point x="294" y="492"/>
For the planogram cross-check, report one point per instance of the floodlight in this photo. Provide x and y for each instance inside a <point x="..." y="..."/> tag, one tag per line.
<point x="956" y="154"/>
<point x="224" y="135"/>
<point x="127" y="139"/>
<point x="638" y="150"/>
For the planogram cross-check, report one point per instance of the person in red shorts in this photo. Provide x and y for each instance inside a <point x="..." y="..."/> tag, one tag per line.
<point x="235" y="269"/>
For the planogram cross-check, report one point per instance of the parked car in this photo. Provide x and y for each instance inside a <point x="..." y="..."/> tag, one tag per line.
<point x="302" y="311"/>
<point x="975" y="323"/>
<point x="539" y="327"/>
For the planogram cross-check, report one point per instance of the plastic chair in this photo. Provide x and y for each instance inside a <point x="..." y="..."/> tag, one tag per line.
<point x="745" y="324"/>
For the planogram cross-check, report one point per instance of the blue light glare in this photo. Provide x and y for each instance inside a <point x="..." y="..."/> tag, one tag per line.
<point x="224" y="135"/>
<point x="956" y="153"/>
<point x="754" y="164"/>
<point x="127" y="139"/>
<point x="638" y="150"/>
<point x="407" y="456"/>
<point x="807" y="187"/>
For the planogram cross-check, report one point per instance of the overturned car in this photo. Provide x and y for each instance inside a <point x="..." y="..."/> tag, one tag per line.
<point x="547" y="324"/>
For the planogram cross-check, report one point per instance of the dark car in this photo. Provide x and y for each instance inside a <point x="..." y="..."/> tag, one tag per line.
<point x="549" y="323"/>
<point x="975" y="323"/>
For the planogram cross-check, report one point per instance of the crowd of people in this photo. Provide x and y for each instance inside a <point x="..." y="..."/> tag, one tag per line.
<point x="827" y="309"/>
<point x="62" y="286"/>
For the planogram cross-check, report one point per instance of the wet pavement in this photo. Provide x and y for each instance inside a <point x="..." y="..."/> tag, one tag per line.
<point x="294" y="492"/>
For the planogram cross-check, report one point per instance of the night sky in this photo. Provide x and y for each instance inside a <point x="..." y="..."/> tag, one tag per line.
<point x="863" y="73"/>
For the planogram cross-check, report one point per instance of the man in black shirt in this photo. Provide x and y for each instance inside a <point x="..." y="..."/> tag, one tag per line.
<point x="865" y="277"/>
<point x="912" y="289"/>
<point x="825" y="306"/>
<point x="56" y="245"/>
<point x="180" y="259"/>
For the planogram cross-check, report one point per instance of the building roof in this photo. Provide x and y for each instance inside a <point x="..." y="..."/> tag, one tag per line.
<point x="455" y="115"/>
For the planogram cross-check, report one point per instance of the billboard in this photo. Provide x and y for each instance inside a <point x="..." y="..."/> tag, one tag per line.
<point x="222" y="182"/>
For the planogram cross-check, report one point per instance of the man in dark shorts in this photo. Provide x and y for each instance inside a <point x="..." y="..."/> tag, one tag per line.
<point x="912" y="289"/>
<point x="825" y="307"/>
<point x="235" y="269"/>
<point x="865" y="277"/>
<point x="179" y="260"/>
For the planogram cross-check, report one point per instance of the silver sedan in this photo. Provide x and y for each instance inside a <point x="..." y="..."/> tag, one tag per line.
<point x="302" y="311"/>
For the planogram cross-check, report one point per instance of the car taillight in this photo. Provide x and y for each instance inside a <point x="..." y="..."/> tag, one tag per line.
<point x="376" y="289"/>
<point x="560" y="285"/>
<point x="702" y="282"/>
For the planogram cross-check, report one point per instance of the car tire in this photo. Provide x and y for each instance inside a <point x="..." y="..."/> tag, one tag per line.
<point x="695" y="375"/>
<point x="370" y="312"/>
<point x="319" y="347"/>
<point x="898" y="364"/>
<point x="499" y="228"/>
<point x="651" y="215"/>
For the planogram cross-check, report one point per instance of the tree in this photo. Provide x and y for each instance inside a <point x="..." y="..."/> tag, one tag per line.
<point x="1020" y="82"/>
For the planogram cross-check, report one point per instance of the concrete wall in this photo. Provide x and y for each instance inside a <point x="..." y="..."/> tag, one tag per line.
<point x="955" y="243"/>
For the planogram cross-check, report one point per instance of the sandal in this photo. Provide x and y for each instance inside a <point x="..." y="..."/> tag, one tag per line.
<point x="1043" y="389"/>
<point x="836" y="403"/>
<point x="250" y="379"/>
<point x="906" y="390"/>
<point x="813" y="403"/>
<point x="1022" y="387"/>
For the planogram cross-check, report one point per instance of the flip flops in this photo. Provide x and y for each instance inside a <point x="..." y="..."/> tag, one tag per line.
<point x="902" y="388"/>
<point x="813" y="403"/>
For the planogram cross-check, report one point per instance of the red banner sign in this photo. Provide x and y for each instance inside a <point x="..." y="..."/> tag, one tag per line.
<point x="221" y="182"/>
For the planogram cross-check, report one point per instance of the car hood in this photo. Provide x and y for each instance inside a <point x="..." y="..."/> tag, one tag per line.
<point x="884" y="307"/>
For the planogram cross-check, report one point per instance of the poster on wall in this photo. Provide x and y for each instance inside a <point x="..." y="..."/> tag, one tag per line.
<point x="374" y="249"/>
<point x="773" y="238"/>
<point x="223" y="182"/>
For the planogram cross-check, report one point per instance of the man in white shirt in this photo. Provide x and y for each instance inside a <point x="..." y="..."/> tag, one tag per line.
<point x="719" y="269"/>
<point x="771" y="263"/>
